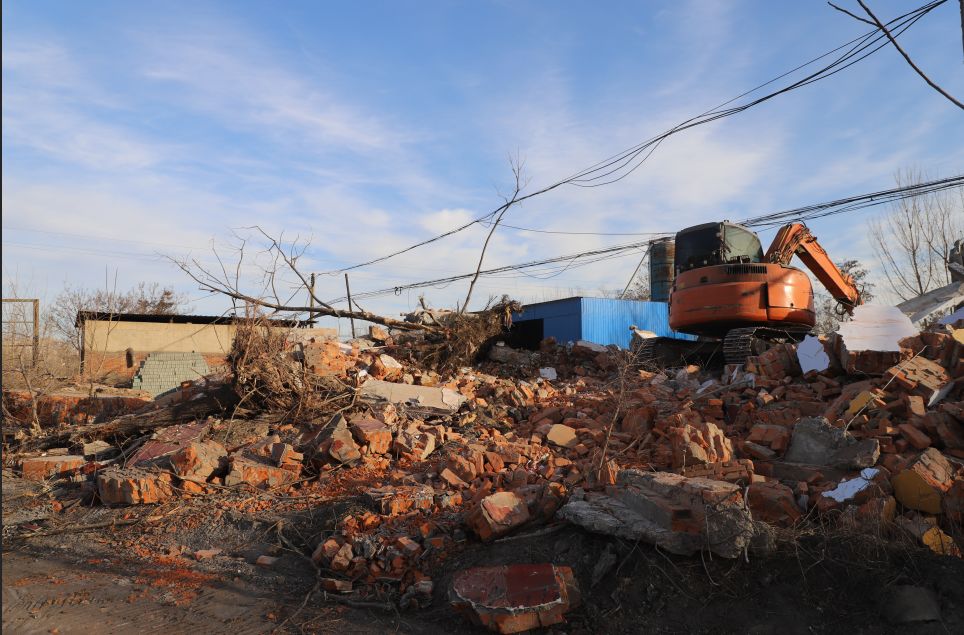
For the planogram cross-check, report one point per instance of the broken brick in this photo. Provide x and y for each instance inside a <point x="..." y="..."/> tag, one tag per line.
<point x="497" y="514"/>
<point x="40" y="468"/>
<point x="515" y="598"/>
<point x="921" y="484"/>
<point x="133" y="486"/>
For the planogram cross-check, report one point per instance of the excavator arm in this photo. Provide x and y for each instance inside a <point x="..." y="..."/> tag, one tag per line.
<point x="795" y="238"/>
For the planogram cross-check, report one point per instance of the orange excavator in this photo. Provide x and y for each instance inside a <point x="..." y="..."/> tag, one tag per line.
<point x="740" y="300"/>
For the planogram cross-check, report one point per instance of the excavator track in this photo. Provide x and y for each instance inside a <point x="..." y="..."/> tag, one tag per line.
<point x="656" y="353"/>
<point x="755" y="340"/>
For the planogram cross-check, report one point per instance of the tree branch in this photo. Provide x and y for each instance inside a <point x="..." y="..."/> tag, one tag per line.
<point x="893" y="41"/>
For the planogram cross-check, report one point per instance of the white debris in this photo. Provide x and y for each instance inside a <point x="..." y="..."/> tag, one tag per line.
<point x="846" y="490"/>
<point x="548" y="373"/>
<point x="876" y="328"/>
<point x="811" y="355"/>
<point x="591" y="346"/>
<point x="953" y="317"/>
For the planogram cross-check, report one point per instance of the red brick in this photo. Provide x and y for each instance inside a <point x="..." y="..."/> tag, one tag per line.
<point x="515" y="598"/>
<point x="132" y="486"/>
<point x="773" y="503"/>
<point x="914" y="436"/>
<point x="497" y="514"/>
<point x="40" y="468"/>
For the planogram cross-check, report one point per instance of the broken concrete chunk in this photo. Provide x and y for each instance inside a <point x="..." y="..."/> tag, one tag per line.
<point x="99" y="450"/>
<point x="515" y="598"/>
<point x="133" y="486"/>
<point x="416" y="399"/>
<point x="816" y="442"/>
<point x="856" y="456"/>
<point x="682" y="515"/>
<point x="497" y="514"/>
<point x="588" y="349"/>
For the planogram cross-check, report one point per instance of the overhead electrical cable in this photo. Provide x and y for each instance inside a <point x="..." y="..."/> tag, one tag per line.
<point x="585" y="258"/>
<point x="621" y="165"/>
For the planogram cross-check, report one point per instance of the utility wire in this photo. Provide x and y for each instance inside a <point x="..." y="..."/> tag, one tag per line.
<point x="623" y="164"/>
<point x="584" y="258"/>
<point x="809" y="212"/>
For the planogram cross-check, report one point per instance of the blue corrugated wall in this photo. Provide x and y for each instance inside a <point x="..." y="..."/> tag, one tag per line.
<point x="606" y="321"/>
<point x="562" y="319"/>
<point x="600" y="320"/>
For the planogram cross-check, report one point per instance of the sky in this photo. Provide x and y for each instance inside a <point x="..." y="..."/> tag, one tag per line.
<point x="136" y="133"/>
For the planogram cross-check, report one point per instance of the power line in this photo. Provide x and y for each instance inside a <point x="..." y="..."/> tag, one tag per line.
<point x="809" y="212"/>
<point x="621" y="165"/>
<point x="585" y="258"/>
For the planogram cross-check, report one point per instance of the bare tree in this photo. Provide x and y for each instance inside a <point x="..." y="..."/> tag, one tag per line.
<point x="914" y="241"/>
<point x="829" y="315"/>
<point x="146" y="298"/>
<point x="280" y="271"/>
<point x="518" y="173"/>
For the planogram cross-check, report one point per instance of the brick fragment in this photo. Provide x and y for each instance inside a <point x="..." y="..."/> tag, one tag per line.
<point x="515" y="598"/>
<point x="259" y="474"/>
<point x="914" y="436"/>
<point x="373" y="433"/>
<point x="133" y="486"/>
<point x="922" y="483"/>
<point x="562" y="436"/>
<point x="773" y="502"/>
<point x="40" y="468"/>
<point x="497" y="514"/>
<point x="198" y="460"/>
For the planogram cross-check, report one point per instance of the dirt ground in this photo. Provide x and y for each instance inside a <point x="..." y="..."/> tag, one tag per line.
<point x="143" y="577"/>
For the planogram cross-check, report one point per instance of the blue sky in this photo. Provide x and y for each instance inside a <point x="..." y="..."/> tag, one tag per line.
<point x="132" y="129"/>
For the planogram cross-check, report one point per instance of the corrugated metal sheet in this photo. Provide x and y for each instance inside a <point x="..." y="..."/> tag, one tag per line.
<point x="600" y="320"/>
<point x="562" y="319"/>
<point x="607" y="321"/>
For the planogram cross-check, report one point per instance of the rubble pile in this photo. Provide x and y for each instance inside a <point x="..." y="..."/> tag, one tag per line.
<point x="687" y="459"/>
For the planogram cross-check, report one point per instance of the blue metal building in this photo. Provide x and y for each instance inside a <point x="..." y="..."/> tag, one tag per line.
<point x="600" y="320"/>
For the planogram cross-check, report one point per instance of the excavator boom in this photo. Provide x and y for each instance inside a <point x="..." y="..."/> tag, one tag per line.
<point x="795" y="238"/>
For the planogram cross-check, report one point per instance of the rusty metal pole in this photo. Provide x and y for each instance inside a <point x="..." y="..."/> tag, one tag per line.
<point x="36" y="331"/>
<point x="311" y="301"/>
<point x="350" y="309"/>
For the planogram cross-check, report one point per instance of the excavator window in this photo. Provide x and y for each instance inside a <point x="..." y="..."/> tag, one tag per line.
<point x="740" y="245"/>
<point x="716" y="244"/>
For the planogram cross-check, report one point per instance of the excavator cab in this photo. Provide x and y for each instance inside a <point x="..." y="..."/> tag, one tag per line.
<point x="716" y="244"/>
